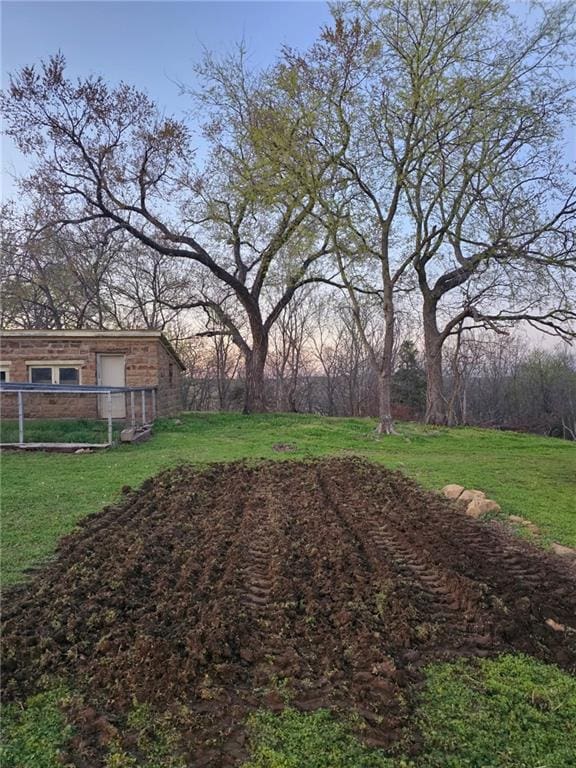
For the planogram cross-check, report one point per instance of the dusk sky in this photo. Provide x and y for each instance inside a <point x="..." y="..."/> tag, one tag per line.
<point x="148" y="44"/>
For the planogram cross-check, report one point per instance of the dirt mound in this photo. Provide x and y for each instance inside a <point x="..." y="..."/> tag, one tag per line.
<point x="327" y="583"/>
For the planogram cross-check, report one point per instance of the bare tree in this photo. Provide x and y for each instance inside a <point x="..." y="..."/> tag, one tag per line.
<point x="340" y="83"/>
<point x="491" y="209"/>
<point x="108" y="154"/>
<point x="289" y="353"/>
<point x="508" y="383"/>
<point x="57" y="279"/>
<point x="144" y="287"/>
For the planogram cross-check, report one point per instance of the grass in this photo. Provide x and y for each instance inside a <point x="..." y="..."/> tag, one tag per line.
<point x="45" y="494"/>
<point x="48" y="431"/>
<point x="293" y="739"/>
<point x="33" y="736"/>
<point x="155" y="741"/>
<point x="513" y="712"/>
<point x="508" y="712"/>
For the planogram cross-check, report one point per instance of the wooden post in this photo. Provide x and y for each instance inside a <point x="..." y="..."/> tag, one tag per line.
<point x="21" y="418"/>
<point x="153" y="405"/>
<point x="143" y="406"/>
<point x="109" y="398"/>
<point x="132" y="410"/>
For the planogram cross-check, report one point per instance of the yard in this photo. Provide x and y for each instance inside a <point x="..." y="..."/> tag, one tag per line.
<point x="45" y="494"/>
<point x="337" y="614"/>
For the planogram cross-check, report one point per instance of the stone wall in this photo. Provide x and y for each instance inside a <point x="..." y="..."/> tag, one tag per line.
<point x="48" y="406"/>
<point x="148" y="363"/>
<point x="169" y="395"/>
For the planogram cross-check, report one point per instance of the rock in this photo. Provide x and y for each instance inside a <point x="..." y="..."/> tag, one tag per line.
<point x="470" y="495"/>
<point x="555" y="626"/>
<point x="517" y="519"/>
<point x="532" y="528"/>
<point x="135" y="434"/>
<point x="177" y="422"/>
<point x="481" y="506"/>
<point x="452" y="491"/>
<point x="560" y="549"/>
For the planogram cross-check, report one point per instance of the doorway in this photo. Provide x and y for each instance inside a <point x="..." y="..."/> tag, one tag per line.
<point x="112" y="373"/>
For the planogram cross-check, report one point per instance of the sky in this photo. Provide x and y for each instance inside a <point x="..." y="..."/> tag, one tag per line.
<point x="152" y="45"/>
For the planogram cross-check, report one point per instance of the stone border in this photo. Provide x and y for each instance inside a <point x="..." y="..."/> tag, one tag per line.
<point x="475" y="504"/>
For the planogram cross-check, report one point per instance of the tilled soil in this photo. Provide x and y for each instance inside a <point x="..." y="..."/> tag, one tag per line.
<point x="327" y="584"/>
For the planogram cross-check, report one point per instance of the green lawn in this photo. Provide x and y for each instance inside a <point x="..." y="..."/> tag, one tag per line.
<point x="72" y="431"/>
<point x="44" y="494"/>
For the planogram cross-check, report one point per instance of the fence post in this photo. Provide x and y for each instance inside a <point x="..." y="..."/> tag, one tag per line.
<point x="143" y="406"/>
<point x="153" y="405"/>
<point x="132" y="410"/>
<point x="21" y="418"/>
<point x="109" y="398"/>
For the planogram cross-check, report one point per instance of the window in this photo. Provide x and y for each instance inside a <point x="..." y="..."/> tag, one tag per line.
<point x="41" y="375"/>
<point x="4" y="373"/>
<point x="66" y="374"/>
<point x="69" y="376"/>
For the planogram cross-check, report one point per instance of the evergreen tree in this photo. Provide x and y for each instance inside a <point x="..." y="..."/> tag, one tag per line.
<point x="409" y="381"/>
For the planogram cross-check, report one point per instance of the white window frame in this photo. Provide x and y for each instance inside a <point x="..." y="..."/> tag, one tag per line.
<point x="5" y="366"/>
<point x="55" y="366"/>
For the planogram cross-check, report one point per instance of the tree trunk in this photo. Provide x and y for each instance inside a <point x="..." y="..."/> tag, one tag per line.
<point x="255" y="361"/>
<point x="433" y="342"/>
<point x="386" y="423"/>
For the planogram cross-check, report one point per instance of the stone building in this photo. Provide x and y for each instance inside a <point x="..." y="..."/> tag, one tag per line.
<point x="85" y="357"/>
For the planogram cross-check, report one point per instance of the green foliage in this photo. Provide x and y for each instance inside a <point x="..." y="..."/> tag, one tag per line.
<point x="409" y="381"/>
<point x="294" y="739"/>
<point x="511" y="712"/>
<point x="45" y="494"/>
<point x="33" y="736"/>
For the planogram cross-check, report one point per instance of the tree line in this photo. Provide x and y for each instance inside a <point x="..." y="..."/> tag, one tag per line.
<point x="404" y="180"/>
<point x="491" y="382"/>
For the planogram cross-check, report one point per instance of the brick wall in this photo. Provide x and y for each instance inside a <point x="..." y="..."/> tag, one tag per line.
<point x="147" y="364"/>
<point x="48" y="406"/>
<point x="169" y="384"/>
